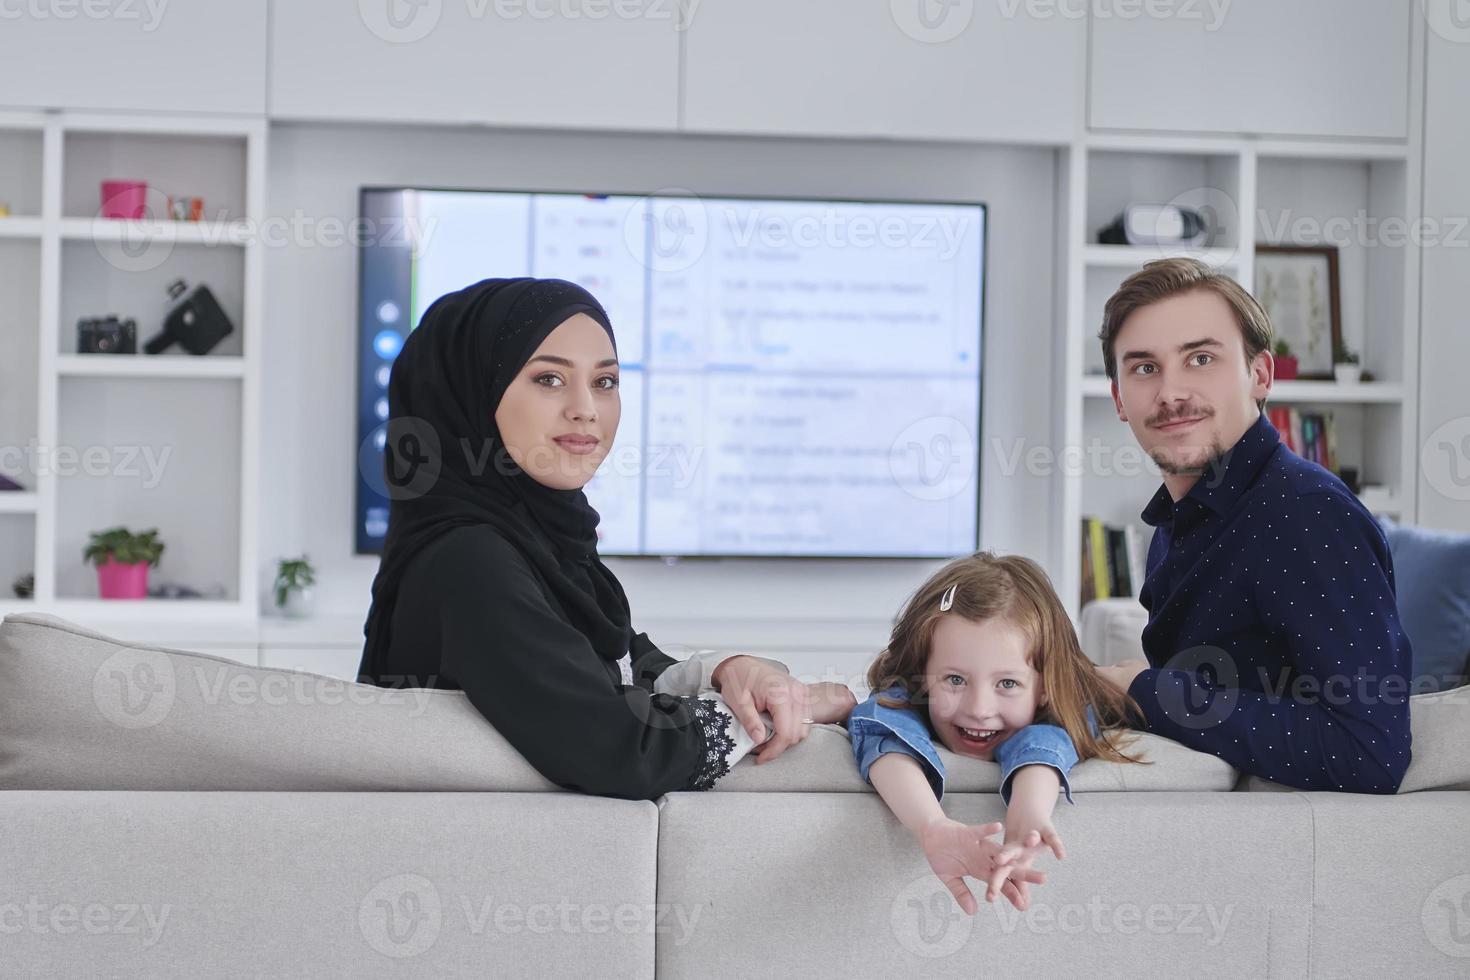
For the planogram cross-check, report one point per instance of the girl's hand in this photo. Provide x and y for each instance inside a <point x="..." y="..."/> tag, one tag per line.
<point x="956" y="850"/>
<point x="1027" y="837"/>
<point x="829" y="703"/>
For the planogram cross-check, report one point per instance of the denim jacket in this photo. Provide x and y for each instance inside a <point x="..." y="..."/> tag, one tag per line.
<point x="876" y="730"/>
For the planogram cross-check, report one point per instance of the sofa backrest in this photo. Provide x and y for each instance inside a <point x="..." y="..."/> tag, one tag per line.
<point x="80" y="710"/>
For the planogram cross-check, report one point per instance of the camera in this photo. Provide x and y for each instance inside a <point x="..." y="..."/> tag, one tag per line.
<point x="107" y="335"/>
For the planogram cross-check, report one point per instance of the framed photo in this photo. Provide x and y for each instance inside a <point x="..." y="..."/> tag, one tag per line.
<point x="1297" y="286"/>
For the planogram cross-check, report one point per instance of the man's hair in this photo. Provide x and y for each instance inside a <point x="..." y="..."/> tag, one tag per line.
<point x="1163" y="278"/>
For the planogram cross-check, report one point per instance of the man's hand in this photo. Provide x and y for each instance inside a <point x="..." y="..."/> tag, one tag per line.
<point x="1121" y="675"/>
<point x="750" y="686"/>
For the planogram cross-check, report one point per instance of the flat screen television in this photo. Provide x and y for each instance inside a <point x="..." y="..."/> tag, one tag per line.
<point x="800" y="378"/>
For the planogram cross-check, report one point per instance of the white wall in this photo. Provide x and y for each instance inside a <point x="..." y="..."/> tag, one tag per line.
<point x="308" y="451"/>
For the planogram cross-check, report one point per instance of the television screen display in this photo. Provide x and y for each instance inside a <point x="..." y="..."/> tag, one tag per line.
<point x="798" y="377"/>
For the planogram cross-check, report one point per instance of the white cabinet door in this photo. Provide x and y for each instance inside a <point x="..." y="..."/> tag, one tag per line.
<point x="914" y="69"/>
<point x="176" y="55"/>
<point x="603" y="64"/>
<point x="1444" y="409"/>
<point x="1280" y="67"/>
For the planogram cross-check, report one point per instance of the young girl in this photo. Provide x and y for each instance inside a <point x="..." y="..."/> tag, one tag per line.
<point x="984" y="661"/>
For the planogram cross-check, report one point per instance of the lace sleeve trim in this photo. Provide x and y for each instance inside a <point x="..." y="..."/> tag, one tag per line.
<point x="713" y="724"/>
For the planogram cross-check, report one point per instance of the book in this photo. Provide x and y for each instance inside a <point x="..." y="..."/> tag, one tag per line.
<point x="1113" y="561"/>
<point x="1118" y="566"/>
<point x="1097" y="539"/>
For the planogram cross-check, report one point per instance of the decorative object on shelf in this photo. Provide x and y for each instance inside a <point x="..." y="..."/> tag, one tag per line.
<point x="107" y="335"/>
<point x="1297" y="287"/>
<point x="293" y="593"/>
<point x="4" y="209"/>
<point x="1286" y="365"/>
<point x="122" y="559"/>
<point x="6" y="483"/>
<point x="173" y="590"/>
<point x="197" y="323"/>
<point x="185" y="208"/>
<point x="24" y="586"/>
<point x="126" y="199"/>
<point x="1345" y="366"/>
<point x="1155" y="224"/>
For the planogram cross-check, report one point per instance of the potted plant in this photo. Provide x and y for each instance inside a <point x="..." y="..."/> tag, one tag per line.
<point x="292" y="587"/>
<point x="1286" y="363"/>
<point x="122" y="559"/>
<point x="1345" y="366"/>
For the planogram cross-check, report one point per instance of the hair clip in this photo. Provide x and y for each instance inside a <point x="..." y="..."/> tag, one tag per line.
<point x="947" y="599"/>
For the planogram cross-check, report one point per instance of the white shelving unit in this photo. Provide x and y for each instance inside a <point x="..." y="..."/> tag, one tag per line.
<point x="198" y="415"/>
<point x="1247" y="187"/>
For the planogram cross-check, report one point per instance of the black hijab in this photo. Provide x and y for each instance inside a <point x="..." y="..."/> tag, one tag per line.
<point x="446" y="465"/>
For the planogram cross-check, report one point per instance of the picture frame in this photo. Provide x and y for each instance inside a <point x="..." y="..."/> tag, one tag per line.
<point x="1297" y="285"/>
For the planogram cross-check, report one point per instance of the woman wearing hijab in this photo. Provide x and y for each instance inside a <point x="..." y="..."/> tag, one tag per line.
<point x="502" y="404"/>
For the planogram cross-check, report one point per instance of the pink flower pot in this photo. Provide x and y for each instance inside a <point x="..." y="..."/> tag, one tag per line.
<point x="116" y="580"/>
<point x="124" y="199"/>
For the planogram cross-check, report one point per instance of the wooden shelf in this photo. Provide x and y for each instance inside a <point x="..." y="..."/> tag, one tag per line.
<point x="20" y="226"/>
<point x="1134" y="256"/>
<point x="150" y="366"/>
<point x="17" y="502"/>
<point x="174" y="232"/>
<point x="191" y="614"/>
<point x="1296" y="392"/>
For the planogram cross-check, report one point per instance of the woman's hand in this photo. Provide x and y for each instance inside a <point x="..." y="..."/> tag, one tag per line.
<point x="829" y="703"/>
<point x="956" y="850"/>
<point x="750" y="686"/>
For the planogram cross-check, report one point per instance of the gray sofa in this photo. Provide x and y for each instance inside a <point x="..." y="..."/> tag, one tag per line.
<point x="174" y="814"/>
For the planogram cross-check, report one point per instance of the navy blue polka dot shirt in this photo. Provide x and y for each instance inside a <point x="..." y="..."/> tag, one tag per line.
<point x="1273" y="632"/>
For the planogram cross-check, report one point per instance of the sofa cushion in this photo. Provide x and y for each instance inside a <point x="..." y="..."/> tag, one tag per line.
<point x="79" y="710"/>
<point x="1111" y="630"/>
<point x="1432" y="582"/>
